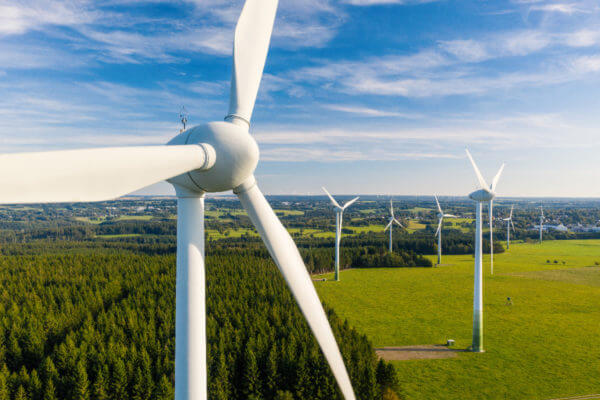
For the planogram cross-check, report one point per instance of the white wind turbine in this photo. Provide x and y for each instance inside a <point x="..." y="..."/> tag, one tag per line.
<point x="438" y="232"/>
<point x="541" y="222"/>
<point x="339" y="215"/>
<point x="509" y="223"/>
<point x="480" y="196"/>
<point x="391" y="222"/>
<point x="215" y="157"/>
<point x="490" y="213"/>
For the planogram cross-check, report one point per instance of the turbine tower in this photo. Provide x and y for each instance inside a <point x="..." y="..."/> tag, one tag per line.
<point x="215" y="157"/>
<point x="438" y="232"/>
<point x="491" y="215"/>
<point x="339" y="214"/>
<point x="390" y="225"/>
<point x="480" y="196"/>
<point x="541" y="222"/>
<point x="509" y="223"/>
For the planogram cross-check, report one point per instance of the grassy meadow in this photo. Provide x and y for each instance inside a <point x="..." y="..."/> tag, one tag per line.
<point x="546" y="345"/>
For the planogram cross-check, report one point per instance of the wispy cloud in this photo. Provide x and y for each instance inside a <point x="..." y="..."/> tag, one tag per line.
<point x="20" y="17"/>
<point x="117" y="32"/>
<point x="383" y="2"/>
<point x="462" y="66"/>
<point x="370" y="112"/>
<point x="564" y="8"/>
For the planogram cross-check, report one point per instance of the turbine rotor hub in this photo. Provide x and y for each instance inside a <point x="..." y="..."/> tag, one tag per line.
<point x="236" y="157"/>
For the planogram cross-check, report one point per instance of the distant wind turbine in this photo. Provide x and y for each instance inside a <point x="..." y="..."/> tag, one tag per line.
<point x="491" y="209"/>
<point x="541" y="222"/>
<point x="390" y="224"/>
<point x="438" y="233"/>
<point x="339" y="214"/>
<point x="509" y="223"/>
<point x="480" y="196"/>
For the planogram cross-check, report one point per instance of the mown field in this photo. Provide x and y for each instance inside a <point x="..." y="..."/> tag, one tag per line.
<point x="546" y="345"/>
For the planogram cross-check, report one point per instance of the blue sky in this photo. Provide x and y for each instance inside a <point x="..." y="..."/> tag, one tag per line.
<point x="363" y="96"/>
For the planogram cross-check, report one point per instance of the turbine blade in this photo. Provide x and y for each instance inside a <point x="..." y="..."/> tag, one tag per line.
<point x="450" y="216"/>
<point x="513" y="226"/>
<point x="482" y="182"/>
<point x="511" y="211"/>
<point x="391" y="208"/>
<point x="335" y="203"/>
<point x="94" y="174"/>
<point x="348" y="204"/>
<point x="388" y="225"/>
<point x="250" y="49"/>
<point x="398" y="222"/>
<point x="437" y="232"/>
<point x="285" y="254"/>
<point x="438" y="204"/>
<point x="497" y="178"/>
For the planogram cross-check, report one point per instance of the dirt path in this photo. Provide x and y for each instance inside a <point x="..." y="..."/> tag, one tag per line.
<point x="419" y="352"/>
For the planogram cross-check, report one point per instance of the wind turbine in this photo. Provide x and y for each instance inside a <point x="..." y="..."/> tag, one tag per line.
<point x="480" y="196"/>
<point x="509" y="223"/>
<point x="438" y="232"/>
<point x="339" y="214"/>
<point x="541" y="222"/>
<point x="215" y="157"/>
<point x="390" y="224"/>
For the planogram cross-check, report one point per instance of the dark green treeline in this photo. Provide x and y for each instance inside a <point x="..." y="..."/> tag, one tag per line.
<point x="90" y="321"/>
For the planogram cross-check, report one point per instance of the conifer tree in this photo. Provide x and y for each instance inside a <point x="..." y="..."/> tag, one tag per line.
<point x="23" y="377"/>
<point x="81" y="384"/>
<point x="386" y="376"/>
<point x="164" y="390"/>
<point x="271" y="373"/>
<point x="35" y="386"/>
<point x="49" y="390"/>
<point x="281" y="395"/>
<point x="49" y="377"/>
<point x="118" y="381"/>
<point x="99" y="388"/>
<point x="20" y="394"/>
<point x="220" y="383"/>
<point x="251" y="376"/>
<point x="4" y="392"/>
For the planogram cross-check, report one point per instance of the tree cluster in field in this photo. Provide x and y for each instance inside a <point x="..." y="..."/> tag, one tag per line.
<point x="91" y="320"/>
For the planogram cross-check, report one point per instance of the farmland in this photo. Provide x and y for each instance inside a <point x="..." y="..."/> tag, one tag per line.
<point x="544" y="345"/>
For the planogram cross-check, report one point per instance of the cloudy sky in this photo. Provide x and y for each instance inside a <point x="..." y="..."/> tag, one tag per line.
<point x="363" y="96"/>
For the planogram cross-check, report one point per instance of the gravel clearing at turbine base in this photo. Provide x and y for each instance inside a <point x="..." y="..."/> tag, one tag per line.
<point x="428" y="351"/>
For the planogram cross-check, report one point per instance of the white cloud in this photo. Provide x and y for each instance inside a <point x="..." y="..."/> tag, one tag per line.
<point x="586" y="64"/>
<point x="467" y="50"/>
<point x="19" y="17"/>
<point x="564" y="8"/>
<point x="369" y="112"/>
<point x="384" y="2"/>
<point x="207" y="27"/>
<point x="582" y="38"/>
<point x="525" y="42"/>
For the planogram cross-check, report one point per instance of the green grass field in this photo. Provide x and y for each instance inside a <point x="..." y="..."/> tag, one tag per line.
<point x="414" y="226"/>
<point x="546" y="345"/>
<point x="455" y="223"/>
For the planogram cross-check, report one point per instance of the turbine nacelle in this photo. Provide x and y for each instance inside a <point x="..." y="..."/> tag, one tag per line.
<point x="482" y="195"/>
<point x="236" y="157"/>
